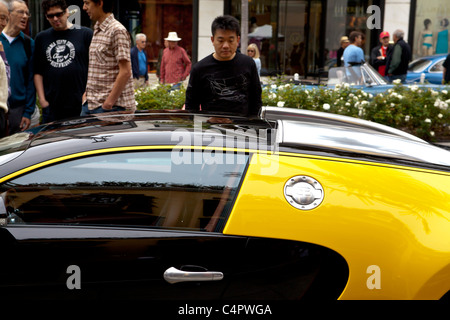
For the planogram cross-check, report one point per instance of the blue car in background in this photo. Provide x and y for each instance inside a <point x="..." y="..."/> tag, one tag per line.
<point x="431" y="66"/>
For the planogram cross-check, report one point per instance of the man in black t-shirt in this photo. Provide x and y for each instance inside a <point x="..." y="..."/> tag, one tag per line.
<point x="61" y="62"/>
<point x="225" y="82"/>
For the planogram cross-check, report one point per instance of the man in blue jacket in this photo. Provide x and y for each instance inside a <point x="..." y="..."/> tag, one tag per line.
<point x="19" y="50"/>
<point x="139" y="61"/>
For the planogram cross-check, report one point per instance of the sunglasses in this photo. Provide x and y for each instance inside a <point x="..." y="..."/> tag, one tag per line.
<point x="52" y="15"/>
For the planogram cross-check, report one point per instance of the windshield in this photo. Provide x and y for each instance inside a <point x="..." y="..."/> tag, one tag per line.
<point x="418" y="65"/>
<point x="356" y="75"/>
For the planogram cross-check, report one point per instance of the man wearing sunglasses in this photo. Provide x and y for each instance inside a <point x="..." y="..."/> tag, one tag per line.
<point x="61" y="61"/>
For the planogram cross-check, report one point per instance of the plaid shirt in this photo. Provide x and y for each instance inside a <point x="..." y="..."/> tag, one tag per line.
<point x="175" y="65"/>
<point x="110" y="44"/>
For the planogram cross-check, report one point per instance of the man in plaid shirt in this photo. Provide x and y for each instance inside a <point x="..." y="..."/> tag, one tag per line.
<point x="110" y="83"/>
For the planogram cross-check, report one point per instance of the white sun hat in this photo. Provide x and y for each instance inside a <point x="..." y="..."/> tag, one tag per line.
<point x="172" y="37"/>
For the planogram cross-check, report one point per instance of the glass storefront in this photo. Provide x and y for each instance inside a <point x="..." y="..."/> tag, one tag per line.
<point x="431" y="28"/>
<point x="159" y="17"/>
<point x="302" y="36"/>
<point x="343" y="17"/>
<point x="294" y="36"/>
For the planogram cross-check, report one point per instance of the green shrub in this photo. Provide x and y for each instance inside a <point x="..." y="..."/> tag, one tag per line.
<point x="160" y="96"/>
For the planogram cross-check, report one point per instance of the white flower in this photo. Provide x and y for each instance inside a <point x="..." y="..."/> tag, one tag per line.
<point x="434" y="93"/>
<point x="392" y="105"/>
<point x="440" y="115"/>
<point x="370" y="96"/>
<point x="443" y="105"/>
<point x="414" y="87"/>
<point x="397" y="81"/>
<point x="274" y="86"/>
<point x="407" y="118"/>
<point x="427" y="120"/>
<point x="432" y="133"/>
<point x="272" y="96"/>
<point x="347" y="104"/>
<point x="326" y="106"/>
<point x="444" y="91"/>
<point x="280" y="104"/>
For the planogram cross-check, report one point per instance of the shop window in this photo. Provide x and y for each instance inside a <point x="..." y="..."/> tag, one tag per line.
<point x="431" y="28"/>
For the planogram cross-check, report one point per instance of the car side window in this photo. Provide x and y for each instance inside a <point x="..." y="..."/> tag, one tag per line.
<point x="438" y="67"/>
<point x="161" y="189"/>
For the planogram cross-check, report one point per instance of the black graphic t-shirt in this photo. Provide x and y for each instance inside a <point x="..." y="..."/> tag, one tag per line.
<point x="62" y="58"/>
<point x="225" y="87"/>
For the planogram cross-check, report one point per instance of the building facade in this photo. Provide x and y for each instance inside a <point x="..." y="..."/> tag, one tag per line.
<point x="294" y="36"/>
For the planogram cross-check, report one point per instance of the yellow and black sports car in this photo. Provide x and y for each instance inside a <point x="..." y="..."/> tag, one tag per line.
<point x="173" y="205"/>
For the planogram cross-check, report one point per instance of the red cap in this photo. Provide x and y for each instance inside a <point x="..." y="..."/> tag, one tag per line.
<point x="384" y="34"/>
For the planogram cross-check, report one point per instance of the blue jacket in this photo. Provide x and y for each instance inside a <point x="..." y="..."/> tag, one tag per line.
<point x="23" y="91"/>
<point x="135" y="63"/>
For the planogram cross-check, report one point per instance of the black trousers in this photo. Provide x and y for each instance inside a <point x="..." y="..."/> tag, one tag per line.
<point x="3" y="123"/>
<point x="15" y="115"/>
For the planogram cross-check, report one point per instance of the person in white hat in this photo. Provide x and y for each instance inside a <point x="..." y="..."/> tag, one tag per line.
<point x="175" y="63"/>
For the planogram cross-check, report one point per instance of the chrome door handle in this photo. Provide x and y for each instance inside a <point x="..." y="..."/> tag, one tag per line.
<point x="173" y="275"/>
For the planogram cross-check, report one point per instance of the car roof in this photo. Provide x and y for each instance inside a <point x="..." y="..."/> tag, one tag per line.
<point x="432" y="57"/>
<point x="279" y="129"/>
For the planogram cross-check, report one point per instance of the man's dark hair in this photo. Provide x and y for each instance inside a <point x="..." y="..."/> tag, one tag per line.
<point x="226" y="22"/>
<point x="47" y="4"/>
<point x="355" y="34"/>
<point x="108" y="5"/>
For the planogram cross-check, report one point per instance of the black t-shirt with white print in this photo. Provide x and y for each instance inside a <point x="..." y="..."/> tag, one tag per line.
<point x="225" y="87"/>
<point x="62" y="58"/>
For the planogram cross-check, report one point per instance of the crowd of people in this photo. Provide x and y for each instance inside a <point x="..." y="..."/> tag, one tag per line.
<point x="390" y="60"/>
<point x="74" y="70"/>
<point x="77" y="71"/>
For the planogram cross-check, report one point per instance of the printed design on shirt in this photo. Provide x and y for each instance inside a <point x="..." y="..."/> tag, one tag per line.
<point x="231" y="89"/>
<point x="60" y="53"/>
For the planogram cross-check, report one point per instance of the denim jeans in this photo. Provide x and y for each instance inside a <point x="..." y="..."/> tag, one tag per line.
<point x="86" y="112"/>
